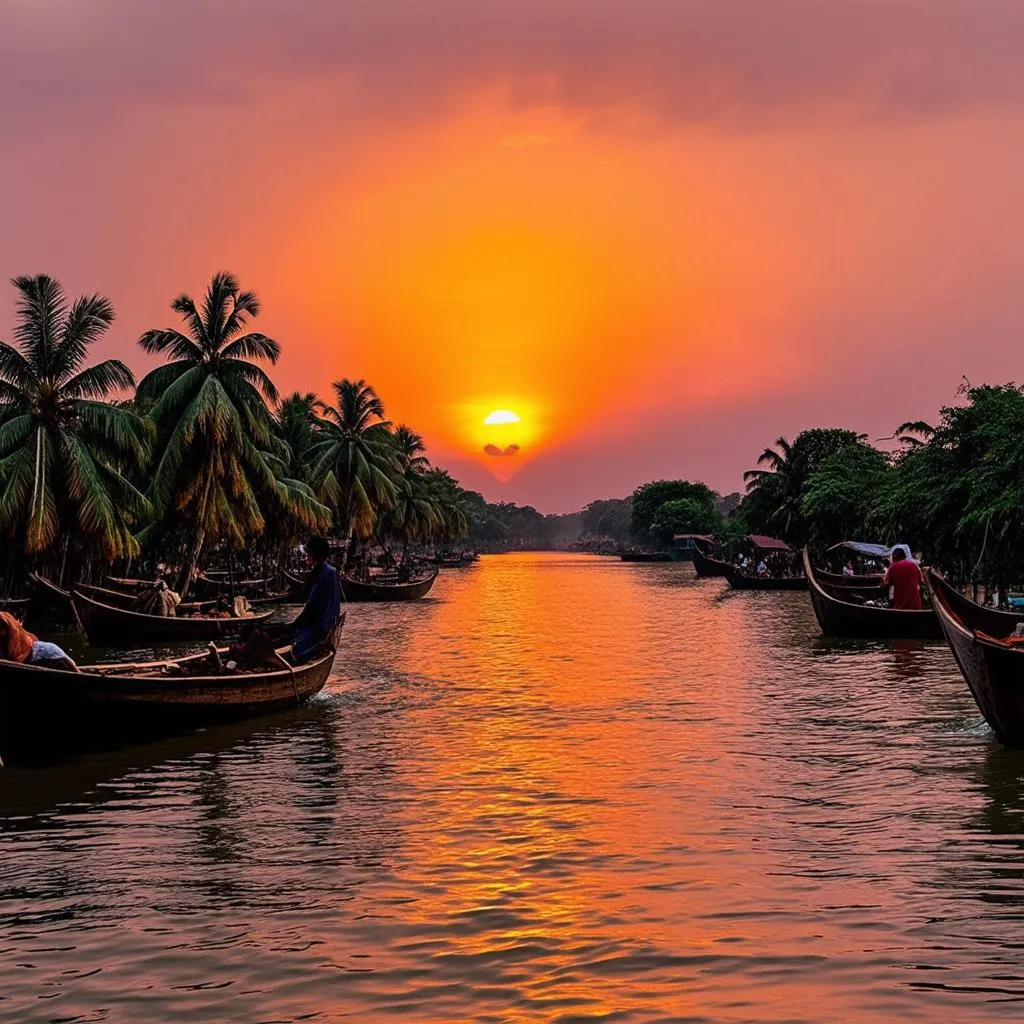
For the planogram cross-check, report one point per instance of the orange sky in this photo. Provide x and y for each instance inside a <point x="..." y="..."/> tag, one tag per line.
<point x="662" y="233"/>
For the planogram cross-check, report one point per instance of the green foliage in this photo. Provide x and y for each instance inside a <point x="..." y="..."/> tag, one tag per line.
<point x="959" y="494"/>
<point x="65" y="455"/>
<point x="684" y="515"/>
<point x="648" y="498"/>
<point x="355" y="464"/>
<point x="220" y="465"/>
<point x="609" y="517"/>
<point x="775" y="490"/>
<point x="840" y="496"/>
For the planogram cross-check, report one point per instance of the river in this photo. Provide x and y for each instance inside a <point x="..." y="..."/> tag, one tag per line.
<point x="562" y="788"/>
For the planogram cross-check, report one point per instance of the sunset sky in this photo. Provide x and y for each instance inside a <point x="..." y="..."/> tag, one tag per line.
<point x="662" y="232"/>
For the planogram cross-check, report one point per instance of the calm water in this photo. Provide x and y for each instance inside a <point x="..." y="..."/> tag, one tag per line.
<point x="562" y="789"/>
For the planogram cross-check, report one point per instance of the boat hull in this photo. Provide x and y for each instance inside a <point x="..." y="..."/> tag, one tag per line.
<point x="709" y="568"/>
<point x="105" y="624"/>
<point x="357" y="590"/>
<point x="846" y="619"/>
<point x="994" y="674"/>
<point x="42" y="704"/>
<point x="740" y="581"/>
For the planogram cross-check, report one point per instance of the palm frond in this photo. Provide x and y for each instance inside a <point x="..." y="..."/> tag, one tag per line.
<point x="89" y="318"/>
<point x="172" y="343"/>
<point x="99" y="381"/>
<point x="40" y="309"/>
<point x="253" y="346"/>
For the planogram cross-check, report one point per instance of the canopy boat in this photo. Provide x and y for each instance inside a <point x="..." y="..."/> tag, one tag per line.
<point x="840" y="614"/>
<point x="371" y="590"/>
<point x="107" y="624"/>
<point x="993" y="668"/>
<point x="37" y="701"/>
<point x="865" y="550"/>
<point x="706" y="567"/>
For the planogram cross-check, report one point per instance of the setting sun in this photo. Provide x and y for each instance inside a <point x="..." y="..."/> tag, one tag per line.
<point x="501" y="416"/>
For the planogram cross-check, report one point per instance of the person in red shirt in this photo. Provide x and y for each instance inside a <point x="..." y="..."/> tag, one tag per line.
<point x="904" y="576"/>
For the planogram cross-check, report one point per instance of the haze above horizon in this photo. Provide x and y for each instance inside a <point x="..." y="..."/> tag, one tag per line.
<point x="661" y="234"/>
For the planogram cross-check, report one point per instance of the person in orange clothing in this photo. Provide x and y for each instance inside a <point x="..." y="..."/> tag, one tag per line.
<point x="904" y="576"/>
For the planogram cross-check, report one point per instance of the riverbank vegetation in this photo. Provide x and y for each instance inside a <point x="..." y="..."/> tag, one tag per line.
<point x="205" y="459"/>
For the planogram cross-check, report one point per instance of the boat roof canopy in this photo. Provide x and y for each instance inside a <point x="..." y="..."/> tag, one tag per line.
<point x="869" y="550"/>
<point x="763" y="543"/>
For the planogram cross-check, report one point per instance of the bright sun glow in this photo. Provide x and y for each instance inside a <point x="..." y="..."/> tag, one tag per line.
<point x="501" y="416"/>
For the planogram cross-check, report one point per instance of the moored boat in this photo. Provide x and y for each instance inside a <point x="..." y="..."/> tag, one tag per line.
<point x="992" y="668"/>
<point x="840" y="615"/>
<point x="857" y="582"/>
<point x="746" y="581"/>
<point x="707" y="567"/>
<point x="646" y="556"/>
<point x="107" y="624"/>
<point x="363" y="590"/>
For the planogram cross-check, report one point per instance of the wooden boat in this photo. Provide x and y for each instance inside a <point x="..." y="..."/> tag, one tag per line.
<point x="359" y="590"/>
<point x="222" y="585"/>
<point x="994" y="672"/>
<point x="122" y="599"/>
<point x="744" y="581"/>
<point x="106" y="624"/>
<point x="127" y="585"/>
<point x="38" y="703"/>
<point x="836" y="579"/>
<point x="645" y="556"/>
<point x="842" y="617"/>
<point x="706" y="567"/>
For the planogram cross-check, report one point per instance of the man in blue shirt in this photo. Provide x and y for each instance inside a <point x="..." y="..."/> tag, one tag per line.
<point x="317" y="620"/>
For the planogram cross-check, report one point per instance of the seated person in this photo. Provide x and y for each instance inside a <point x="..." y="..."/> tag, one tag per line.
<point x="319" y="617"/>
<point x="18" y="644"/>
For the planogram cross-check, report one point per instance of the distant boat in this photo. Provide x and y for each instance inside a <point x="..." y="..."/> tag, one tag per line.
<point x="646" y="556"/>
<point x="707" y="567"/>
<point x="373" y="590"/>
<point x="745" y="581"/>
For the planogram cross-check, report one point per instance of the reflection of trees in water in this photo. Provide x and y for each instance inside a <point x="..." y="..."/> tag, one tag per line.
<point x="1000" y="776"/>
<point x="991" y="869"/>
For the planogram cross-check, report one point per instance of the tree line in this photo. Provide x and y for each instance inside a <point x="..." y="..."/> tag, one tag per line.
<point x="953" y="491"/>
<point x="202" y="455"/>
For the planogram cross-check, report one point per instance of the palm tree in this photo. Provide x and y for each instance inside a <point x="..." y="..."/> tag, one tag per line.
<point x="356" y="467"/>
<point x="410" y="448"/>
<point x="218" y="458"/>
<point x="63" y="451"/>
<point x="296" y="426"/>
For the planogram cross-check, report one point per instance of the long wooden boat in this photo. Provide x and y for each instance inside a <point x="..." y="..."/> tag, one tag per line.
<point x="645" y="556"/>
<point x="106" y="624"/>
<point x="842" y="617"/>
<point x="122" y="599"/>
<point x="994" y="672"/>
<point x="836" y="579"/>
<point x="127" y="585"/>
<point x="358" y="590"/>
<point x="744" y="581"/>
<point x="707" y="567"/>
<point x="38" y="703"/>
